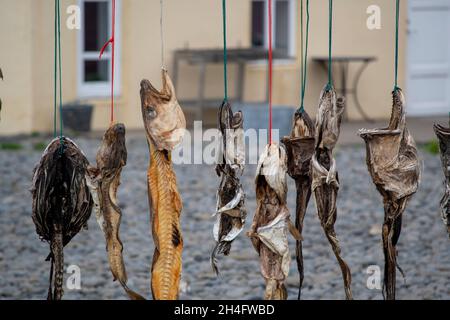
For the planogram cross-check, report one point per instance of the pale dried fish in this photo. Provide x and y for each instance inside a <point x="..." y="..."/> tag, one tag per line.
<point x="443" y="135"/>
<point x="394" y="166"/>
<point x="230" y="209"/>
<point x="325" y="181"/>
<point x="300" y="149"/>
<point x="271" y="223"/>
<point x="165" y="126"/>
<point x="164" y="120"/>
<point x="62" y="203"/>
<point x="103" y="181"/>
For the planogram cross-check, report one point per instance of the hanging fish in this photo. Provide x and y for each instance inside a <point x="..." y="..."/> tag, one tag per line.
<point x="62" y="203"/>
<point x="443" y="135"/>
<point x="271" y="223"/>
<point x="165" y="125"/>
<point x="394" y="166"/>
<point x="103" y="181"/>
<point x="300" y="149"/>
<point x="230" y="212"/>
<point x="325" y="180"/>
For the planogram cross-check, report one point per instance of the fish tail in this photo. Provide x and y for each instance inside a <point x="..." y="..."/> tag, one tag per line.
<point x="213" y="260"/>
<point x="57" y="261"/>
<point x="131" y="293"/>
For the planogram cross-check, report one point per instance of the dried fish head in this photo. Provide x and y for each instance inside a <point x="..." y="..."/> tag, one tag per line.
<point x="112" y="154"/>
<point x="329" y="119"/>
<point x="392" y="153"/>
<point x="272" y="168"/>
<point x="163" y="118"/>
<point x="300" y="145"/>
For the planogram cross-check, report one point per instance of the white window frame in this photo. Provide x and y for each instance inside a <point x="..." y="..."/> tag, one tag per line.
<point x="292" y="27"/>
<point x="100" y="89"/>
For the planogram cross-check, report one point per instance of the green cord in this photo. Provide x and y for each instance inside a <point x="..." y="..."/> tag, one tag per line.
<point x="397" y="18"/>
<point x="301" y="49"/>
<point x="60" y="73"/>
<point x="55" y="69"/>
<point x="225" y="55"/>
<point x="330" y="35"/>
<point x="305" y="59"/>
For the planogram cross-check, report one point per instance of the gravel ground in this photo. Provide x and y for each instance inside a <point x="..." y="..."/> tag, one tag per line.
<point x="424" y="251"/>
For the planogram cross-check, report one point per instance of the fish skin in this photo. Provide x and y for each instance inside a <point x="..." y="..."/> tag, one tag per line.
<point x="166" y="209"/>
<point x="300" y="148"/>
<point x="230" y="211"/>
<point x="443" y="135"/>
<point x="325" y="179"/>
<point x="165" y="126"/>
<point x="104" y="181"/>
<point x="392" y="161"/>
<point x="59" y="213"/>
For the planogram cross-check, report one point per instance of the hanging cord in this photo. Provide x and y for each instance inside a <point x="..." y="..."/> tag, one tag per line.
<point x="113" y="53"/>
<point x="225" y="54"/>
<point x="301" y="51"/>
<point x="305" y="59"/>
<point x="161" y="25"/>
<point x="58" y="74"/>
<point x="330" y="41"/>
<point x="397" y="18"/>
<point x="270" y="71"/>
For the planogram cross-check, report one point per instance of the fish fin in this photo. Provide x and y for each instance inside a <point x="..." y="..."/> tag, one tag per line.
<point x="294" y="231"/>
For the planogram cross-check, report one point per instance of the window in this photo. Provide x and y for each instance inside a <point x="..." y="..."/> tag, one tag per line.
<point x="283" y="25"/>
<point x="94" y="75"/>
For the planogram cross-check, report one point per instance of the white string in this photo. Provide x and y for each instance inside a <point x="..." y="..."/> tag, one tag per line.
<point x="162" y="35"/>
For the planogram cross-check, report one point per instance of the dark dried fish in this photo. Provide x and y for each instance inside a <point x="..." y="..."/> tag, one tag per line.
<point x="394" y="166"/>
<point x="230" y="211"/>
<point x="325" y="180"/>
<point x="165" y="125"/>
<point x="300" y="149"/>
<point x="443" y="135"/>
<point x="62" y="203"/>
<point x="271" y="223"/>
<point x="103" y="181"/>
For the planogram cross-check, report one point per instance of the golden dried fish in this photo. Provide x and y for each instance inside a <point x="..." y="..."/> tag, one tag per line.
<point x="325" y="180"/>
<point x="165" y="124"/>
<point x="230" y="212"/>
<point x="394" y="166"/>
<point x="443" y="135"/>
<point x="103" y="181"/>
<point x="300" y="149"/>
<point x="62" y="203"/>
<point x="271" y="223"/>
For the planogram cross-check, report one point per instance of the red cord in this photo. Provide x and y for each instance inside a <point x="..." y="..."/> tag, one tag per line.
<point x="112" y="42"/>
<point x="270" y="71"/>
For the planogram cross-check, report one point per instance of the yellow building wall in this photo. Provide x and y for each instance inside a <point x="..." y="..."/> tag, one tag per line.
<point x="26" y="56"/>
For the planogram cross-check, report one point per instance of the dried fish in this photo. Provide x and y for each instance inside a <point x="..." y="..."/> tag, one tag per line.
<point x="103" y="181"/>
<point x="62" y="203"/>
<point x="165" y="124"/>
<point x="325" y="180"/>
<point x="300" y="149"/>
<point x="230" y="212"/>
<point x="443" y="135"/>
<point x="271" y="223"/>
<point x="394" y="166"/>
